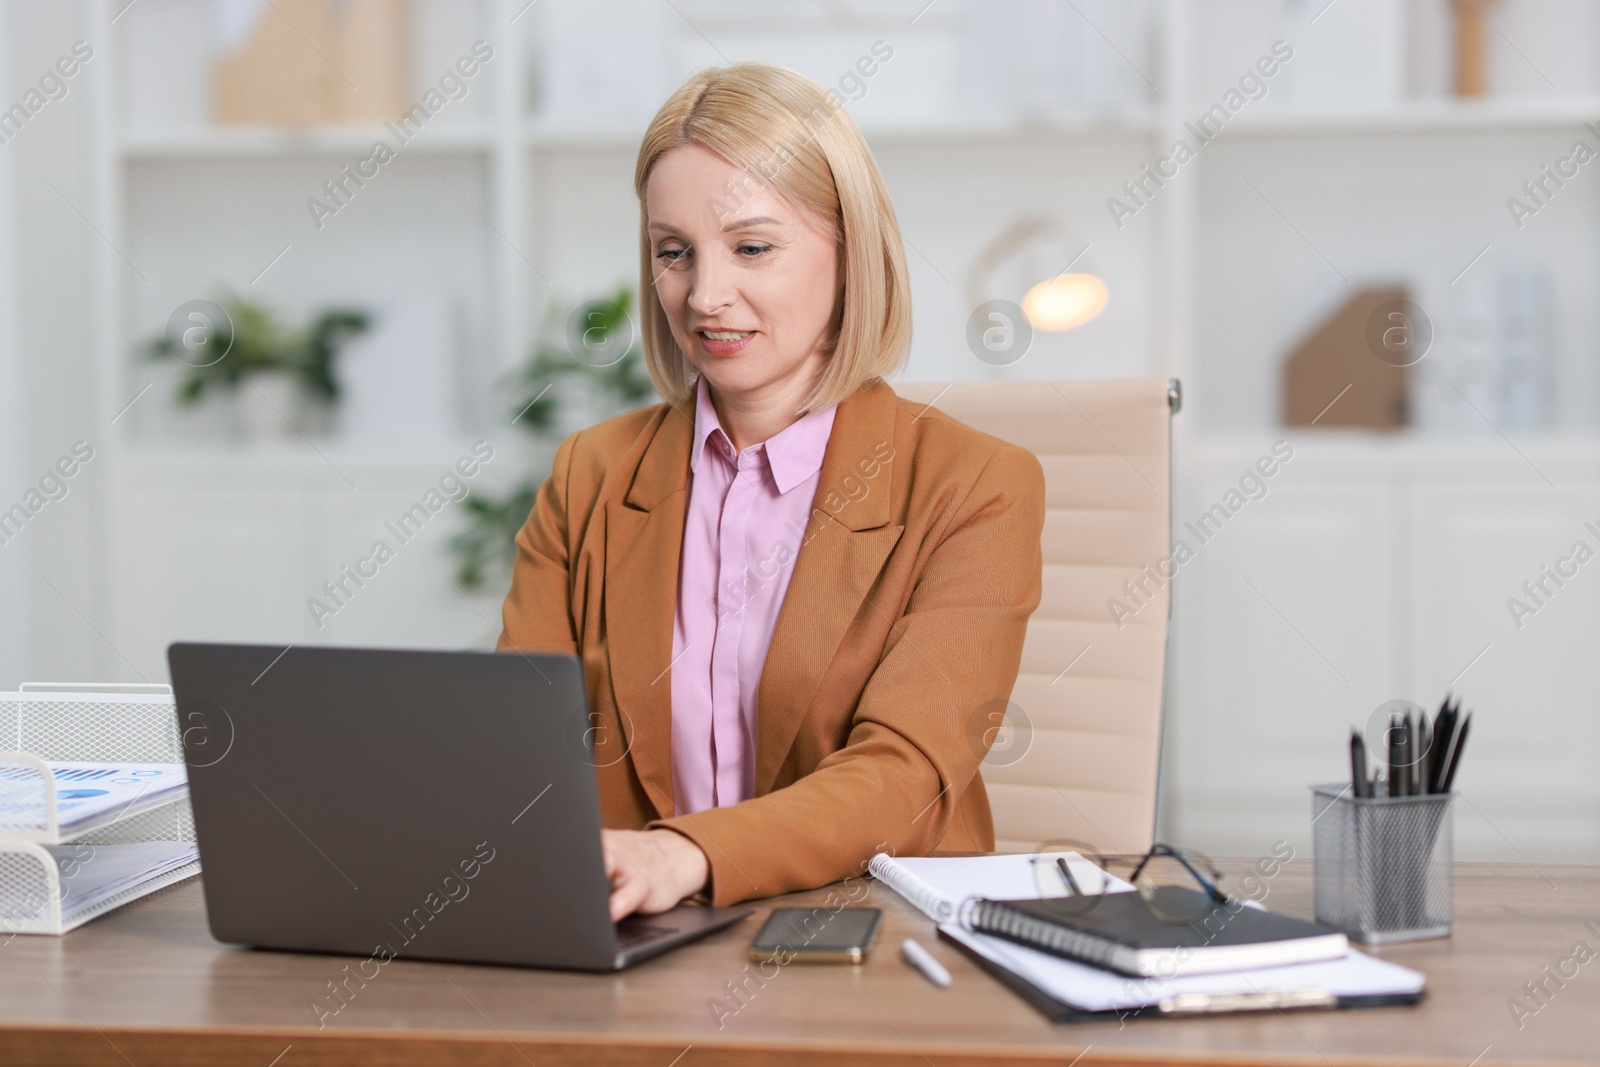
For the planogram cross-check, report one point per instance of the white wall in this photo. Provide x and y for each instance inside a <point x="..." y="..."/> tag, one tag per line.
<point x="13" y="559"/>
<point x="51" y="364"/>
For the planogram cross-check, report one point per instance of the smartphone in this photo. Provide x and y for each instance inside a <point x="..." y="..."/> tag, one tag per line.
<point x="817" y="935"/>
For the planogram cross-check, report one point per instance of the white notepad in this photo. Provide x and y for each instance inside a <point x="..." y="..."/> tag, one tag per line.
<point x="938" y="884"/>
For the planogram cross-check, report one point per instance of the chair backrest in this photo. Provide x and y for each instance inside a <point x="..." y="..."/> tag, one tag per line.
<point x="1079" y="755"/>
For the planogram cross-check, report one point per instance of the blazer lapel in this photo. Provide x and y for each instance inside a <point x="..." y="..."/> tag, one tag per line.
<point x="644" y="537"/>
<point x="846" y="546"/>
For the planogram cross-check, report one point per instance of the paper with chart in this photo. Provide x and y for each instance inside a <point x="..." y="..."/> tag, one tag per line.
<point x="86" y="792"/>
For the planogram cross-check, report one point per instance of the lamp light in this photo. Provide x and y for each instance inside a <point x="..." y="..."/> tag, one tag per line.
<point x="1065" y="301"/>
<point x="1029" y="262"/>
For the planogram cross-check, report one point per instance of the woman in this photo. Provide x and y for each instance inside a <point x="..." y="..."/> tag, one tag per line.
<point x="798" y="599"/>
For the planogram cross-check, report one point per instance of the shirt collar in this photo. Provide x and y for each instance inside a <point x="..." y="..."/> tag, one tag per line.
<point x="793" y="454"/>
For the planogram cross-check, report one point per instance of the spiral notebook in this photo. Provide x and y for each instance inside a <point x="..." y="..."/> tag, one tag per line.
<point x="938" y="884"/>
<point x="1181" y="933"/>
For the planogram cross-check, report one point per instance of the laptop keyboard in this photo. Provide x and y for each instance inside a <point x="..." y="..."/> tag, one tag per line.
<point x="631" y="935"/>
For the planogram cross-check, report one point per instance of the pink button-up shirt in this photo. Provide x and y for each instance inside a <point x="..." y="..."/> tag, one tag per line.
<point x="745" y="521"/>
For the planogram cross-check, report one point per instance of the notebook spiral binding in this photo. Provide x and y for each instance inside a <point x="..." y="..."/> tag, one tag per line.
<point x="927" y="899"/>
<point x="995" y="917"/>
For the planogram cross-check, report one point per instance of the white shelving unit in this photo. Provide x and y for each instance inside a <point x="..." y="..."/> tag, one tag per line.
<point x="236" y="540"/>
<point x="1211" y="283"/>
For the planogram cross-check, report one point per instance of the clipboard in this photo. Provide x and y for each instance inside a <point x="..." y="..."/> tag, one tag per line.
<point x="1188" y="1004"/>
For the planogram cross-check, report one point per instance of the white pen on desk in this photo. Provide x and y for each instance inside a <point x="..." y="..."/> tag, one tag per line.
<point x="923" y="961"/>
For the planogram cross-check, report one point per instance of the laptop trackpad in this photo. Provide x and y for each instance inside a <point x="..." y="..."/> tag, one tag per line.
<point x="641" y="936"/>
<point x="637" y="930"/>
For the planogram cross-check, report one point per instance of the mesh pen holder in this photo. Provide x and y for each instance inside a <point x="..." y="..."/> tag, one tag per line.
<point x="1383" y="864"/>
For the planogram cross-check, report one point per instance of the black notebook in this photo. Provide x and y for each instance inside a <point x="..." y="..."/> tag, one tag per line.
<point x="1123" y="933"/>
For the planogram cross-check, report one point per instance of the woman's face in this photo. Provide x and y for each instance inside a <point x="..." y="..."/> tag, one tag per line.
<point x="749" y="282"/>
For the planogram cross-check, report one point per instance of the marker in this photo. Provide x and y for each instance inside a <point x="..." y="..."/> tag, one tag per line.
<point x="919" y="958"/>
<point x="1455" y="754"/>
<point x="1360" y="784"/>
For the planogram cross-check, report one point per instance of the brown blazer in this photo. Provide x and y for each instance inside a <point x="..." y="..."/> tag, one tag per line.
<point x="893" y="657"/>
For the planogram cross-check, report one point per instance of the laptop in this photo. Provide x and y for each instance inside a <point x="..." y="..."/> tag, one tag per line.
<point x="405" y="804"/>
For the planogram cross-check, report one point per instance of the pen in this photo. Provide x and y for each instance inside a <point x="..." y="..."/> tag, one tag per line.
<point x="1455" y="754"/>
<point x="1424" y="783"/>
<point x="1066" y="874"/>
<point x="1393" y="755"/>
<point x="920" y="958"/>
<point x="1412" y="785"/>
<point x="1409" y="756"/>
<point x="1402" y="757"/>
<point x="1447" y="749"/>
<point x="1444" y="729"/>
<point x="1392" y="779"/>
<point x="1358" y="766"/>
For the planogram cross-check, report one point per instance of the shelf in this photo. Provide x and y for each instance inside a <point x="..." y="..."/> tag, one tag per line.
<point x="1567" y="460"/>
<point x="1107" y="126"/>
<point x="254" y="141"/>
<point x="1417" y="117"/>
<point x="1422" y="116"/>
<point x="292" y="454"/>
<point x="1409" y="442"/>
<point x="1444" y="116"/>
<point x="539" y="133"/>
<point x="336" y="467"/>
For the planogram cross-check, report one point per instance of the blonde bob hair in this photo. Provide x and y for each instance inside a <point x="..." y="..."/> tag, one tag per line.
<point x="794" y="137"/>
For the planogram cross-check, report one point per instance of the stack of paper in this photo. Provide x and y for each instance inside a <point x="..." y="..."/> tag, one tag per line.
<point x="1091" y="989"/>
<point x="93" y="874"/>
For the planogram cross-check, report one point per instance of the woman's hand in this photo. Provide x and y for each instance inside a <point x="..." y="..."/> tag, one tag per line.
<point x="651" y="870"/>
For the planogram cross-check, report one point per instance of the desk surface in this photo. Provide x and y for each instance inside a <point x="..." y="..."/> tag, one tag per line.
<point x="148" y="985"/>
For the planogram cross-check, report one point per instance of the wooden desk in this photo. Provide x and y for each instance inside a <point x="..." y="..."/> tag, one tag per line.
<point x="148" y="986"/>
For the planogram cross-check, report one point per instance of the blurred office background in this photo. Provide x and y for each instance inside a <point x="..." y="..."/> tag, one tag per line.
<point x="164" y="159"/>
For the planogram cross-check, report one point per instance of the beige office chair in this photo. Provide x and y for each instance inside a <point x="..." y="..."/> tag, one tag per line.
<point x="1079" y="757"/>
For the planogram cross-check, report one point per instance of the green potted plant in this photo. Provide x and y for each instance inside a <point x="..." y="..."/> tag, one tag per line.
<point x="587" y="358"/>
<point x="282" y="378"/>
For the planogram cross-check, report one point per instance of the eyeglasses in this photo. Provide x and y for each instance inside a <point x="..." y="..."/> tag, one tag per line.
<point x="1164" y="877"/>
